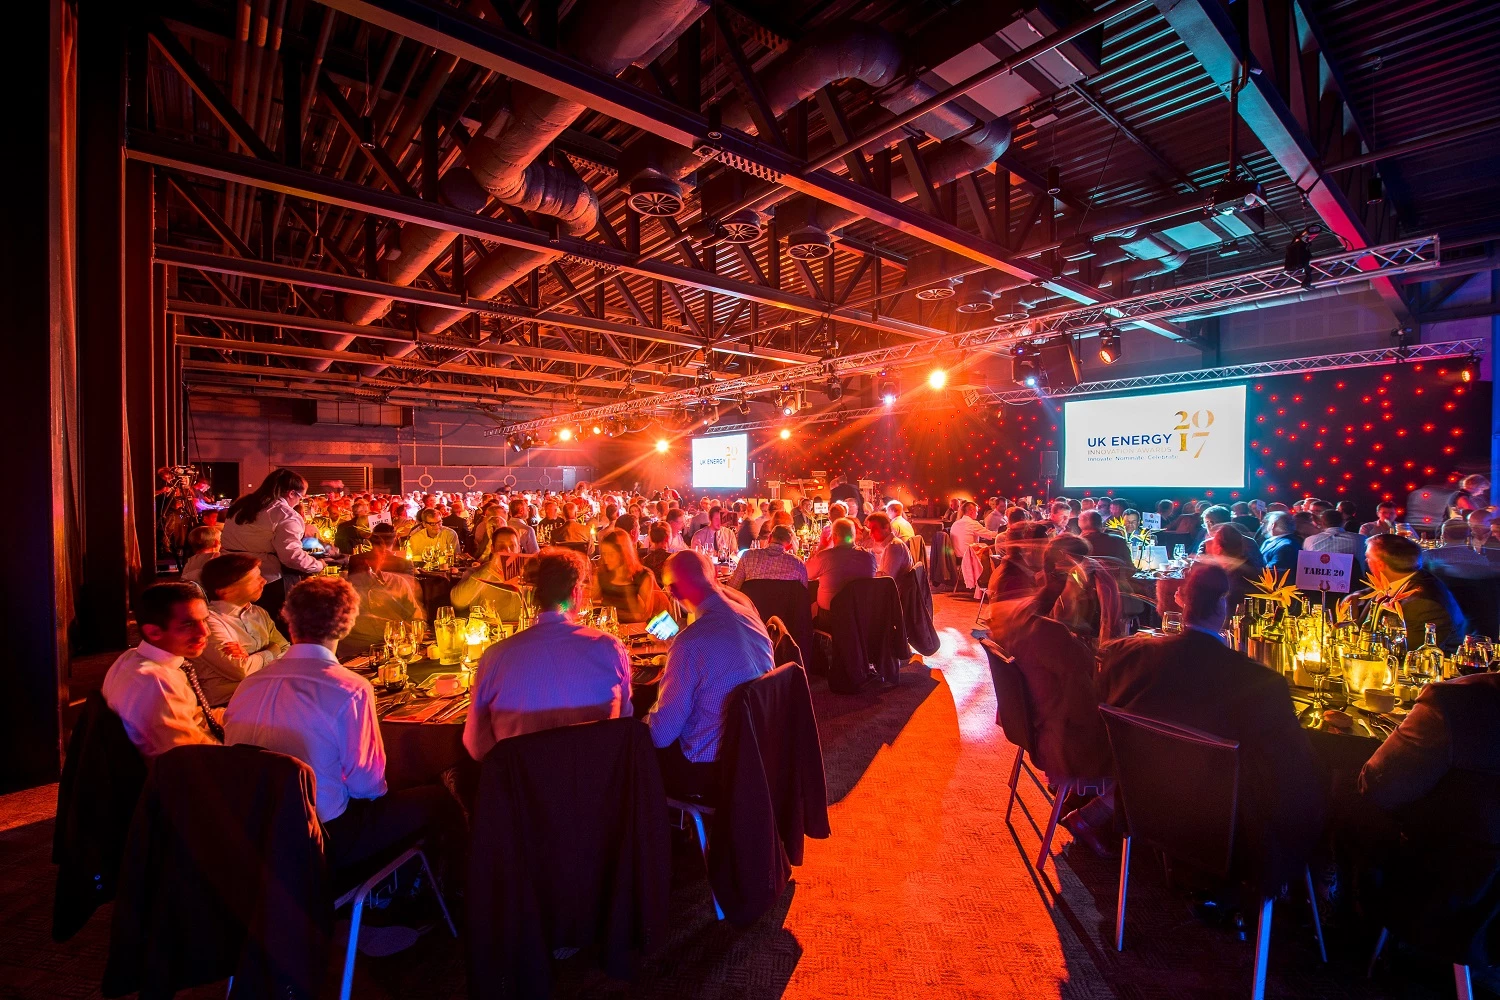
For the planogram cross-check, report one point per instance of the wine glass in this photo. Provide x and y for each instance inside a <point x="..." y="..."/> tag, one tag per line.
<point x="444" y="614"/>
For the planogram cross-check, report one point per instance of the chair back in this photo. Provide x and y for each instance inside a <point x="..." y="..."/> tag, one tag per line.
<point x="787" y="600"/>
<point x="917" y="546"/>
<point x="868" y="630"/>
<point x="1012" y="701"/>
<point x="1479" y="600"/>
<point x="1178" y="788"/>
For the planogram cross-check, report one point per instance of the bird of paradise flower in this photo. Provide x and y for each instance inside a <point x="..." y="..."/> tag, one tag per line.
<point x="1380" y="593"/>
<point x="1273" y="586"/>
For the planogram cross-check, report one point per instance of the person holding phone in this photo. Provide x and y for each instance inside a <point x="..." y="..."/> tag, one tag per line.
<point x="724" y="646"/>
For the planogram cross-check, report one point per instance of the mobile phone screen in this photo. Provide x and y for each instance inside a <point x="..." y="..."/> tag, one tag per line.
<point x="663" y="626"/>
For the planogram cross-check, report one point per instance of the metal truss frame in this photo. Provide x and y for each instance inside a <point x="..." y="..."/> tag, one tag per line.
<point x="1200" y="299"/>
<point x="1261" y="369"/>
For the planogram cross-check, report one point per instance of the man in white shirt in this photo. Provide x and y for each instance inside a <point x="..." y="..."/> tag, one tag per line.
<point x="432" y="535"/>
<point x="242" y="637"/>
<point x="699" y="520"/>
<point x="520" y="514"/>
<point x="891" y="554"/>
<point x="675" y="541"/>
<point x="966" y="532"/>
<point x="994" y="518"/>
<point x="307" y="706"/>
<point x="555" y="673"/>
<point x="713" y="539"/>
<point x="774" y="562"/>
<point x="900" y="526"/>
<point x="149" y="687"/>
<point x="724" y="646"/>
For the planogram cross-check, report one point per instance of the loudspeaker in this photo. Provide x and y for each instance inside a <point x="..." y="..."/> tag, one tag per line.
<point x="1049" y="465"/>
<point x="1060" y="363"/>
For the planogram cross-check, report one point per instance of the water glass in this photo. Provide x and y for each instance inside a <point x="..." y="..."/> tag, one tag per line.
<point x="444" y="614"/>
<point x="1171" y="622"/>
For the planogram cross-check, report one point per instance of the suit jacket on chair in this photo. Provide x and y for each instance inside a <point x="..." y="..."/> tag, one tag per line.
<point x="1194" y="680"/>
<point x="916" y="605"/>
<point x="223" y="875"/>
<point x="96" y="798"/>
<point x="570" y="849"/>
<point x="775" y="793"/>
<point x="868" y="631"/>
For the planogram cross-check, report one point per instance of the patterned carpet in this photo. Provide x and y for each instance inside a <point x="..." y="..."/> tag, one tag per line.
<point x="923" y="891"/>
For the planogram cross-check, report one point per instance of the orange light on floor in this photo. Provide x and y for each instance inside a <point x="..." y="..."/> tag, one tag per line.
<point x="661" y="444"/>
<point x="785" y="433"/>
<point x="938" y="378"/>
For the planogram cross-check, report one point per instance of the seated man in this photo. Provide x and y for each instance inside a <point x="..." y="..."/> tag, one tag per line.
<point x="242" y="638"/>
<point x="724" y="646"/>
<point x="556" y="673"/>
<point x="1192" y="679"/>
<point x="307" y="706"/>
<point x="900" y="526"/>
<point x="1333" y="538"/>
<point x="1279" y="550"/>
<point x="493" y="582"/>
<point x="774" y="562"/>
<point x="151" y="686"/>
<point x="203" y="545"/>
<point x="520" y="513"/>
<point x="891" y="554"/>
<point x="1454" y="727"/>
<point x="1384" y="523"/>
<point x="966" y="532"/>
<point x="1455" y="558"/>
<point x="1106" y="546"/>
<point x="354" y="534"/>
<point x="431" y="535"/>
<point x="1394" y="557"/>
<point x="836" y="565"/>
<point x="713" y="538"/>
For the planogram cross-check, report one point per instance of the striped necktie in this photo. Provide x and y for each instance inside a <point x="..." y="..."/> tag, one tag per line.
<point x="214" y="729"/>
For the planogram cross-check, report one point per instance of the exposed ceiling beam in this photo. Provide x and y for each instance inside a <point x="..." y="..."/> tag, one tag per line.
<point x="296" y="183"/>
<point x="251" y="375"/>
<point x="523" y="60"/>
<point x="1205" y="27"/>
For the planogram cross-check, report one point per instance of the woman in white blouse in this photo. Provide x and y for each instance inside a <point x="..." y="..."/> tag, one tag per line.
<point x="266" y="524"/>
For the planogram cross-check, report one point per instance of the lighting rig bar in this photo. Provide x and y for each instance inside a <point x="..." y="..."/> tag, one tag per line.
<point x="1201" y="299"/>
<point x="1290" y="366"/>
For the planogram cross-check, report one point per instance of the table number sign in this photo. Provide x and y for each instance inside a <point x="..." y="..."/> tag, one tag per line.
<point x="1331" y="571"/>
<point x="1151" y="521"/>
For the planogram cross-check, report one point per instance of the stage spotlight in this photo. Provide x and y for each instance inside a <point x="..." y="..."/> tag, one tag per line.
<point x="710" y="416"/>
<point x="744" y="406"/>
<point x="938" y="378"/>
<point x="598" y="429"/>
<point x="528" y="442"/>
<point x="565" y="434"/>
<point x="662" y="445"/>
<point x="785" y="433"/>
<point x="514" y="440"/>
<point x="835" y="388"/>
<point x="611" y="427"/>
<point x="1109" y="346"/>
<point x="1030" y="381"/>
<point x="888" y="393"/>
<point x="1470" y="371"/>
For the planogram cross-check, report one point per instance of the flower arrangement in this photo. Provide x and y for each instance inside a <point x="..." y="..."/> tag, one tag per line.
<point x="1381" y="593"/>
<point x="1275" y="587"/>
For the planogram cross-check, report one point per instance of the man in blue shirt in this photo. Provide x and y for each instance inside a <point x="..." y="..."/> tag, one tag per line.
<point x="725" y="646"/>
<point x="1282" y="543"/>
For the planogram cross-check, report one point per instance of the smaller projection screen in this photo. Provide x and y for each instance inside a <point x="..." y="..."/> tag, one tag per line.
<point x="1192" y="439"/>
<point x="720" y="462"/>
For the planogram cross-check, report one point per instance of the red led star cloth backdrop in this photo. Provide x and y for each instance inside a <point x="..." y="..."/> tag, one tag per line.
<point x="1362" y="434"/>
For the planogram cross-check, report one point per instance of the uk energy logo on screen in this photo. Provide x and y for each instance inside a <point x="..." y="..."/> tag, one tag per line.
<point x="1192" y="438"/>
<point x="720" y="461"/>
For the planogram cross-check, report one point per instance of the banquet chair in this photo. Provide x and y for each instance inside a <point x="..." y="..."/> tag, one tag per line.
<point x="1014" y="716"/>
<point x="787" y="600"/>
<point x="1178" y="791"/>
<point x="772" y="793"/>
<point x="356" y="889"/>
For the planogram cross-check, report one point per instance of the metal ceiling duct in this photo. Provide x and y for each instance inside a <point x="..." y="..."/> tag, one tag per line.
<point x="500" y="160"/>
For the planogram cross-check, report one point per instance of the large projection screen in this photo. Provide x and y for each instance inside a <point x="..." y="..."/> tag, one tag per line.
<point x="1190" y="439"/>
<point x="720" y="462"/>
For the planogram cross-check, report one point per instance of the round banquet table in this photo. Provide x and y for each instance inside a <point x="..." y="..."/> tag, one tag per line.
<point x="417" y="753"/>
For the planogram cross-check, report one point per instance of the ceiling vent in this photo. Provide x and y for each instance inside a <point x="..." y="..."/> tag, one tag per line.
<point x="808" y="243"/>
<point x="656" y="196"/>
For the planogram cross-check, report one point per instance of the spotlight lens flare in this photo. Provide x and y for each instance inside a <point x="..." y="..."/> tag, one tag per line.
<point x="566" y="434"/>
<point x="938" y="378"/>
<point x="1031" y="381"/>
<point x="785" y="434"/>
<point x="661" y="444"/>
<point x="889" y="399"/>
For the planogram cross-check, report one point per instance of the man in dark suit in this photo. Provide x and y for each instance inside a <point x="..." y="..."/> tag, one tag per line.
<point x="1111" y="549"/>
<point x="1394" y="557"/>
<point x="1279" y="551"/>
<point x="1194" y="680"/>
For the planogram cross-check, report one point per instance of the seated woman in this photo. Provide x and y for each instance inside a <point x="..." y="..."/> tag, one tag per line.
<point x="386" y="595"/>
<point x="493" y="583"/>
<point x="622" y="582"/>
<point x="242" y="637"/>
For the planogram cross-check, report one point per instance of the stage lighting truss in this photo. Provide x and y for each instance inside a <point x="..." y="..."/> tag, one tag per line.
<point x="1201" y="299"/>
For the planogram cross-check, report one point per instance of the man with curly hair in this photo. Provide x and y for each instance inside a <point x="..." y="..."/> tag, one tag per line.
<point x="308" y="706"/>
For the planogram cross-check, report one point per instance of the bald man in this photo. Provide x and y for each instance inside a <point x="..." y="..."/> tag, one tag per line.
<point x="724" y="646"/>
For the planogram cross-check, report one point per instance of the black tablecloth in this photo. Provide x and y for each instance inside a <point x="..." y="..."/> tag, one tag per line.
<point x="417" y="753"/>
